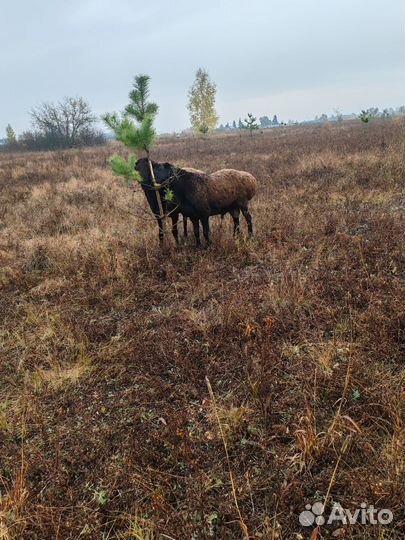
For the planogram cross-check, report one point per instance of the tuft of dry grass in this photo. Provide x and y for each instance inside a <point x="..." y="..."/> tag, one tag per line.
<point x="107" y="428"/>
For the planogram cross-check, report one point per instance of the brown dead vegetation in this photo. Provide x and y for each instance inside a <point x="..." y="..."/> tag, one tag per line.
<point x="107" y="428"/>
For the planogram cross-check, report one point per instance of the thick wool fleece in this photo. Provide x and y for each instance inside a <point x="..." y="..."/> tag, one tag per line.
<point x="200" y="194"/>
<point x="231" y="188"/>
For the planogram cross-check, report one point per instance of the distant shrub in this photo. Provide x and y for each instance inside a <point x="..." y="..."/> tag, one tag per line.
<point x="35" y="140"/>
<point x="68" y="124"/>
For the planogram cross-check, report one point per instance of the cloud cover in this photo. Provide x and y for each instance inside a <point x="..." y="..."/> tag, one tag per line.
<point x="293" y="58"/>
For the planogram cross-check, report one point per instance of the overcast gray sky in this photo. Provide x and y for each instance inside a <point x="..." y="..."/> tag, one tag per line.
<point x="293" y="58"/>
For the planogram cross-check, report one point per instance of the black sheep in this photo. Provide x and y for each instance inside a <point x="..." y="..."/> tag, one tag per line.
<point x="169" y="208"/>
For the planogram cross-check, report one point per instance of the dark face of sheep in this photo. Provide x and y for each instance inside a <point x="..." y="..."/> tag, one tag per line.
<point x="163" y="176"/>
<point x="163" y="172"/>
<point x="142" y="166"/>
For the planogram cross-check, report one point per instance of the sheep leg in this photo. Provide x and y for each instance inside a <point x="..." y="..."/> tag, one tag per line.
<point x="160" y="225"/>
<point x="206" y="230"/>
<point x="248" y="217"/>
<point x="175" y="232"/>
<point x="196" y="226"/>
<point x="235" y="216"/>
<point x="185" y="226"/>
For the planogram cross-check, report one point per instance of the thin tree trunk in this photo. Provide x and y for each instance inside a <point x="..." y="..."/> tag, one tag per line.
<point x="159" y="200"/>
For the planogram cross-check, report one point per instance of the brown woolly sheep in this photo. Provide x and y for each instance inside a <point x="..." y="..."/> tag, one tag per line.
<point x="238" y="185"/>
<point x="200" y="196"/>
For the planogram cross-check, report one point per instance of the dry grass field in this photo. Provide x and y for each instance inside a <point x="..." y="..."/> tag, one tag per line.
<point x="107" y="427"/>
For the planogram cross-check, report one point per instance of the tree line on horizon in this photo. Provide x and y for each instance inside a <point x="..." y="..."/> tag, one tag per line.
<point x="264" y="123"/>
<point x="70" y="123"/>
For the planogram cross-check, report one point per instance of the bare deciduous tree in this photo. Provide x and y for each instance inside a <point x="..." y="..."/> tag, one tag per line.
<point x="71" y="120"/>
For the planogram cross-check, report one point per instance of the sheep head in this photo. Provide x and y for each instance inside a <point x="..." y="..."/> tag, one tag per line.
<point x="163" y="172"/>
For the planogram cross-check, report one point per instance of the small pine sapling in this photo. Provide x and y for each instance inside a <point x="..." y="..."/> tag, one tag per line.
<point x="250" y="123"/>
<point x="364" y="116"/>
<point x="134" y="128"/>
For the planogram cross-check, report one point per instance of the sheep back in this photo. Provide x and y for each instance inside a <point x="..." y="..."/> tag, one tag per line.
<point x="231" y="188"/>
<point x="193" y="170"/>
